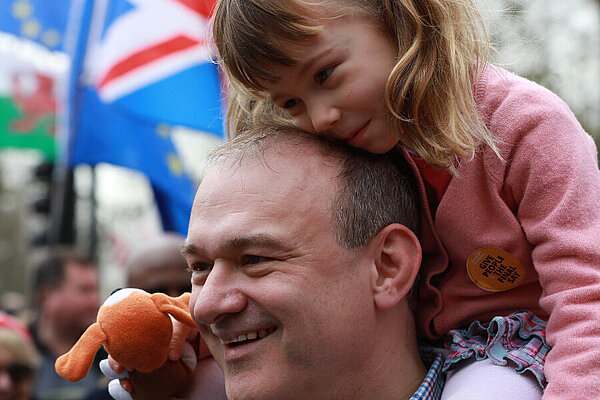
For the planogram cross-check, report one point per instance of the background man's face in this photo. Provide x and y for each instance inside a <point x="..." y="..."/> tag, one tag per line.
<point x="269" y="273"/>
<point x="170" y="277"/>
<point x="75" y="303"/>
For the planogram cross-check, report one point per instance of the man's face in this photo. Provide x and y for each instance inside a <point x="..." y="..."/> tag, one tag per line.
<point x="75" y="303"/>
<point x="283" y="308"/>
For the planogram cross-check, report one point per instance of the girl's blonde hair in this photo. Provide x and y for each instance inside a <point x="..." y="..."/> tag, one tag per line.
<point x="442" y="48"/>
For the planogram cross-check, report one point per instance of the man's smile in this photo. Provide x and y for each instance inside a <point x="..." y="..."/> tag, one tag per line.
<point x="249" y="336"/>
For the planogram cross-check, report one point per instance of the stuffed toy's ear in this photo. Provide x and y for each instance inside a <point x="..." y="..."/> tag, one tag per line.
<point x="75" y="364"/>
<point x="178" y="307"/>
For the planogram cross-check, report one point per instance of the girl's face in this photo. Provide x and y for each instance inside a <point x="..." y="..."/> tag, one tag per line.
<point x="337" y="87"/>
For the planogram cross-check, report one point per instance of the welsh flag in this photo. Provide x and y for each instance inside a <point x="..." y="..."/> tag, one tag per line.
<point x="32" y="61"/>
<point x="28" y="104"/>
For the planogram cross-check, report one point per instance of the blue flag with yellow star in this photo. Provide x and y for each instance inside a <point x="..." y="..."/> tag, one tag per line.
<point x="39" y="21"/>
<point x="106" y="135"/>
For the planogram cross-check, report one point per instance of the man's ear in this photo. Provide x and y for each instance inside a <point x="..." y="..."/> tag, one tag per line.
<point x="397" y="263"/>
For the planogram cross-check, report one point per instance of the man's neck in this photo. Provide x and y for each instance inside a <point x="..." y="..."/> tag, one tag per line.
<point x="400" y="370"/>
<point x="410" y="375"/>
<point x="393" y="374"/>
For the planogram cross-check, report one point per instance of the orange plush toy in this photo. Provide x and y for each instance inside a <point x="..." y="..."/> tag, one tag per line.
<point x="135" y="328"/>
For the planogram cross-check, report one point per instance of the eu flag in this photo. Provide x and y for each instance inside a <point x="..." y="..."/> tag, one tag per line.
<point x="42" y="22"/>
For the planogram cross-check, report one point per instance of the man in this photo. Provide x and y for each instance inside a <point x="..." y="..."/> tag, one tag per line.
<point x="303" y="257"/>
<point x="65" y="292"/>
<point x="158" y="266"/>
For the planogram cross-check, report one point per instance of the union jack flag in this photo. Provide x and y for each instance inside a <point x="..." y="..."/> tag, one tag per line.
<point x="153" y="58"/>
<point x="147" y="68"/>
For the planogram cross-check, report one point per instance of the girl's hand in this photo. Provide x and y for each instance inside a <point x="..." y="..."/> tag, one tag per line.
<point x="209" y="383"/>
<point x="181" y="334"/>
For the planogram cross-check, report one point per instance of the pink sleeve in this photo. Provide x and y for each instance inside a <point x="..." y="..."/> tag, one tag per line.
<point x="553" y="174"/>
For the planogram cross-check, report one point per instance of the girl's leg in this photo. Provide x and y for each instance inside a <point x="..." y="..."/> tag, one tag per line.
<point x="484" y="380"/>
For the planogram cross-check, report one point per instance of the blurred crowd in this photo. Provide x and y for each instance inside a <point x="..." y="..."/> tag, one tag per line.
<point x="62" y="300"/>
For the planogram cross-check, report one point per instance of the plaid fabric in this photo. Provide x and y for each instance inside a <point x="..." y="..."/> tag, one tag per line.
<point x="431" y="388"/>
<point x="518" y="337"/>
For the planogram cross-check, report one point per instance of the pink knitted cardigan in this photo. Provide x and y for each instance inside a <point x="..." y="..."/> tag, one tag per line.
<point x="542" y="205"/>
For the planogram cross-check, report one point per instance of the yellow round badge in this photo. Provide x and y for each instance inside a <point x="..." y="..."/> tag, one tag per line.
<point x="494" y="270"/>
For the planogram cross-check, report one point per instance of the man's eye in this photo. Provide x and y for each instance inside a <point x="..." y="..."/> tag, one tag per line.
<point x="199" y="268"/>
<point x="291" y="103"/>
<point x="252" y="259"/>
<point x="323" y="74"/>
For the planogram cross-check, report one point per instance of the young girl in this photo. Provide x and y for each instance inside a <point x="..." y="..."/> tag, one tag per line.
<point x="509" y="180"/>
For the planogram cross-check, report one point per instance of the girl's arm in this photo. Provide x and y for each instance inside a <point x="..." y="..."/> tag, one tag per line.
<point x="552" y="173"/>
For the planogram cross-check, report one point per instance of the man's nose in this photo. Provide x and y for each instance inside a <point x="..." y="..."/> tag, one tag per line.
<point x="219" y="297"/>
<point x="323" y="116"/>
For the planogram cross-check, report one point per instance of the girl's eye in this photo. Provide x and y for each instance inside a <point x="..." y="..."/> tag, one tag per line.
<point x="291" y="103"/>
<point x="323" y="74"/>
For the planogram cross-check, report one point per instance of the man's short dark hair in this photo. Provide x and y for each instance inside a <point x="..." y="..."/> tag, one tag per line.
<point x="48" y="267"/>
<point x="375" y="190"/>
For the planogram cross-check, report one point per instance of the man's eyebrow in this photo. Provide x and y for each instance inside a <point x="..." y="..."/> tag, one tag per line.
<point x="237" y="243"/>
<point x="257" y="240"/>
<point x="188" y="249"/>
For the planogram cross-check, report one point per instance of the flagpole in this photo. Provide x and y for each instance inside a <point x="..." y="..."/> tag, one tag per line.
<point x="93" y="246"/>
<point x="62" y="227"/>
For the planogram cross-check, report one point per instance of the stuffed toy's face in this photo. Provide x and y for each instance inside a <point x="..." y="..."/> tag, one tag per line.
<point x="133" y="324"/>
<point x="134" y="327"/>
<point x="120" y="294"/>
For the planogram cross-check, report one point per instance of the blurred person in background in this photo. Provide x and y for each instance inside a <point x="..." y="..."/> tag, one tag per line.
<point x="18" y="360"/>
<point x="65" y="294"/>
<point x="157" y="265"/>
<point x="13" y="303"/>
